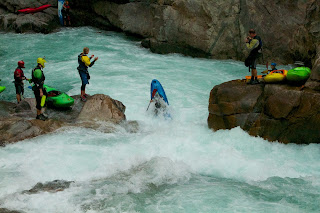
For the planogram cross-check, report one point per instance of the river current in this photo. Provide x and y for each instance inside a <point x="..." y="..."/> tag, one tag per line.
<point x="176" y="165"/>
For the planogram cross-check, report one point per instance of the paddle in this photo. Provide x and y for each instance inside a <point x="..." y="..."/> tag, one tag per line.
<point x="148" y="106"/>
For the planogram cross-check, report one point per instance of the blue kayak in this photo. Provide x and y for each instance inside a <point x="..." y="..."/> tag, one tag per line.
<point x="156" y="87"/>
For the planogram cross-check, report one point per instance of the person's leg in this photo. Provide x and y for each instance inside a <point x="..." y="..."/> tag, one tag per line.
<point x="18" y="92"/>
<point x="83" y="92"/>
<point x="18" y="98"/>
<point x="254" y="73"/>
<point x="84" y="81"/>
<point x="38" y="103"/>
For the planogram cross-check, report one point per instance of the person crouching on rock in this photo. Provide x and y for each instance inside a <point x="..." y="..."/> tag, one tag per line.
<point x="40" y="93"/>
<point x="84" y="63"/>
<point x="18" y="80"/>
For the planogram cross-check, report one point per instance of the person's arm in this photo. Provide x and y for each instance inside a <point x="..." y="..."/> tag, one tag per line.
<point x="23" y="77"/>
<point x="92" y="63"/>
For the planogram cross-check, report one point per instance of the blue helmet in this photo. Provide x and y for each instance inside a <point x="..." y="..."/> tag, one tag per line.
<point x="273" y="64"/>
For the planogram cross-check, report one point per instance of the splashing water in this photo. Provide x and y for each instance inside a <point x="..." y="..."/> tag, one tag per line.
<point x="175" y="165"/>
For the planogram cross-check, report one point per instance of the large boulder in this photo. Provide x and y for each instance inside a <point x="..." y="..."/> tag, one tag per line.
<point x="102" y="108"/>
<point x="275" y="112"/>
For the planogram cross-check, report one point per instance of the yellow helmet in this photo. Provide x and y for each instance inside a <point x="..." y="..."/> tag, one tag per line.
<point x="41" y="61"/>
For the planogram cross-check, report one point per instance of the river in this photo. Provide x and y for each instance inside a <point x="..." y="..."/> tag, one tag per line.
<point x="169" y="165"/>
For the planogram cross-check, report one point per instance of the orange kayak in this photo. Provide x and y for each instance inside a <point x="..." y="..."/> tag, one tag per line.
<point x="249" y="77"/>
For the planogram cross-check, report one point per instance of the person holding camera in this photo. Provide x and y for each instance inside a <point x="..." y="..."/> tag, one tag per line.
<point x="84" y="63"/>
<point x="254" y="44"/>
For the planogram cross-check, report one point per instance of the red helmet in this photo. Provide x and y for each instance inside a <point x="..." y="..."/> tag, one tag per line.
<point x="21" y="64"/>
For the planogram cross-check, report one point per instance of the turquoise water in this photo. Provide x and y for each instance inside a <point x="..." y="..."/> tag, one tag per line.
<point x="176" y="165"/>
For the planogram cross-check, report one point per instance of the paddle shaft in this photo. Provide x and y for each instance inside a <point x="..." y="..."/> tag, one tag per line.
<point x="148" y="106"/>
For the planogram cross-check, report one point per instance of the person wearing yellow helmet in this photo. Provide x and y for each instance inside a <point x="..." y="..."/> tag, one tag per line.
<point x="41" y="61"/>
<point x="38" y="79"/>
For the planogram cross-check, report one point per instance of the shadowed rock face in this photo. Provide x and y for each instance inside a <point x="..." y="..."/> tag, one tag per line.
<point x="275" y="112"/>
<point x="46" y="21"/>
<point x="18" y="122"/>
<point x="202" y="28"/>
<point x="11" y="19"/>
<point x="217" y="29"/>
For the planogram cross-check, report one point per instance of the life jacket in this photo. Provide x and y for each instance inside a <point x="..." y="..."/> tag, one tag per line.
<point x="259" y="47"/>
<point x="18" y="75"/>
<point x="82" y="66"/>
<point x="38" y="77"/>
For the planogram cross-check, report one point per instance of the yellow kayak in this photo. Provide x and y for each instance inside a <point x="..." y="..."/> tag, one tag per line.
<point x="276" y="76"/>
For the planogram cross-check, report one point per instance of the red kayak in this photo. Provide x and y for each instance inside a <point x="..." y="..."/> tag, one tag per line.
<point x="34" y="10"/>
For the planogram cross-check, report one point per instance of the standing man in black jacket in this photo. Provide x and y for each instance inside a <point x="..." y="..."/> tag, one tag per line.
<point x="254" y="44"/>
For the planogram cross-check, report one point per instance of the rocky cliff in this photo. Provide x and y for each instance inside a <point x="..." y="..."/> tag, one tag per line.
<point x="202" y="28"/>
<point x="217" y="29"/>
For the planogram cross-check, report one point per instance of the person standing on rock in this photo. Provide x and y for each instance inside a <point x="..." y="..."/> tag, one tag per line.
<point x="254" y="44"/>
<point x="66" y="13"/>
<point x="84" y="63"/>
<point x="18" y="80"/>
<point x="40" y="93"/>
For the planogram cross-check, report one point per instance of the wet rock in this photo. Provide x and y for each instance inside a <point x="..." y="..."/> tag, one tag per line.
<point x="14" y="128"/>
<point x="45" y="21"/>
<point x="53" y="186"/>
<point x="3" y="210"/>
<point x="100" y="112"/>
<point x="102" y="108"/>
<point x="275" y="112"/>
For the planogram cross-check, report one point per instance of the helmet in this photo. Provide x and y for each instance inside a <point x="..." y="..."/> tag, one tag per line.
<point x="273" y="64"/>
<point x="21" y="64"/>
<point x="41" y="61"/>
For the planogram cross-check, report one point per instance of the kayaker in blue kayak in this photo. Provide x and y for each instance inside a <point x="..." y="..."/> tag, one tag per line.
<point x="18" y="80"/>
<point x="40" y="93"/>
<point x="84" y="63"/>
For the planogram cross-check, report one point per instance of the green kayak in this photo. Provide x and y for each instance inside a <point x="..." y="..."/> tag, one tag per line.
<point x="298" y="74"/>
<point x="58" y="99"/>
<point x="2" y="88"/>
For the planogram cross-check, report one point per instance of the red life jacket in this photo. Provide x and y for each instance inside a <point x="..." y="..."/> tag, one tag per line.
<point x="18" y="75"/>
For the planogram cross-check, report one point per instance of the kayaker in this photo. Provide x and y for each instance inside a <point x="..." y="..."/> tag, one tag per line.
<point x="66" y="13"/>
<point x="18" y="80"/>
<point x="273" y="68"/>
<point x="158" y="102"/>
<point x="254" y="44"/>
<point x="84" y="63"/>
<point x="40" y="93"/>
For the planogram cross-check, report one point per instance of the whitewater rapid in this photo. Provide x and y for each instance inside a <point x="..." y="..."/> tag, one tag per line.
<point x="176" y="165"/>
